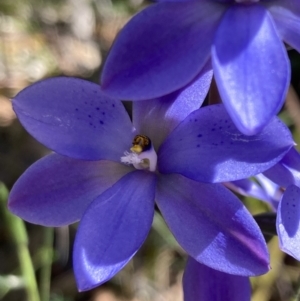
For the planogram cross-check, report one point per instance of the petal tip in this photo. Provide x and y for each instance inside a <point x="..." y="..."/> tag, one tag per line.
<point x="83" y="285"/>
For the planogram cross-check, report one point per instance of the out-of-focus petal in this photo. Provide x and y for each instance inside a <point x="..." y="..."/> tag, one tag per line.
<point x="207" y="147"/>
<point x="251" y="67"/>
<point x="283" y="176"/>
<point x="286" y="14"/>
<point x="287" y="171"/>
<point x="74" y="118"/>
<point x="288" y="222"/>
<point x="292" y="159"/>
<point x="272" y="189"/>
<point x="113" y="228"/>
<point x="267" y="191"/>
<point x="56" y="190"/>
<point x="248" y="187"/>
<point x="202" y="283"/>
<point x="157" y="118"/>
<point x="161" y="49"/>
<point x="212" y="225"/>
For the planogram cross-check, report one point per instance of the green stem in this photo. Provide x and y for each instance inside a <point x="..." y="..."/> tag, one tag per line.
<point x="18" y="234"/>
<point x="46" y="264"/>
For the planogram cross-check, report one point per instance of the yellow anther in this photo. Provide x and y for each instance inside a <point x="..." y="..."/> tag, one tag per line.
<point x="136" y="149"/>
<point x="140" y="143"/>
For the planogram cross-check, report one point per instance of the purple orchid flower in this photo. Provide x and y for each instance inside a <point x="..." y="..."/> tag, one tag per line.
<point x="166" y="45"/>
<point x="287" y="174"/>
<point x="176" y="148"/>
<point x="203" y="283"/>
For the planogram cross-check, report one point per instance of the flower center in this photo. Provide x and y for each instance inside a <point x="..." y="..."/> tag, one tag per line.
<point x="142" y="155"/>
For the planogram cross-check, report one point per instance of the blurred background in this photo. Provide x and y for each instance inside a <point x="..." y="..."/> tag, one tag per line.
<point x="44" y="38"/>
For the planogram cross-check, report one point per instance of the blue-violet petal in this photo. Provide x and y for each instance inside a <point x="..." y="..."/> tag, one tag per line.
<point x="56" y="190"/>
<point x="247" y="52"/>
<point x="212" y="225"/>
<point x="202" y="283"/>
<point x="286" y="14"/>
<point x="74" y="118"/>
<point x="113" y="228"/>
<point x="287" y="171"/>
<point x="288" y="221"/>
<point x="208" y="147"/>
<point x="161" y="49"/>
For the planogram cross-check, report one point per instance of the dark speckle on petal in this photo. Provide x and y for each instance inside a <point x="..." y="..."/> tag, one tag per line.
<point x="97" y="109"/>
<point x="101" y="122"/>
<point x="200" y="135"/>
